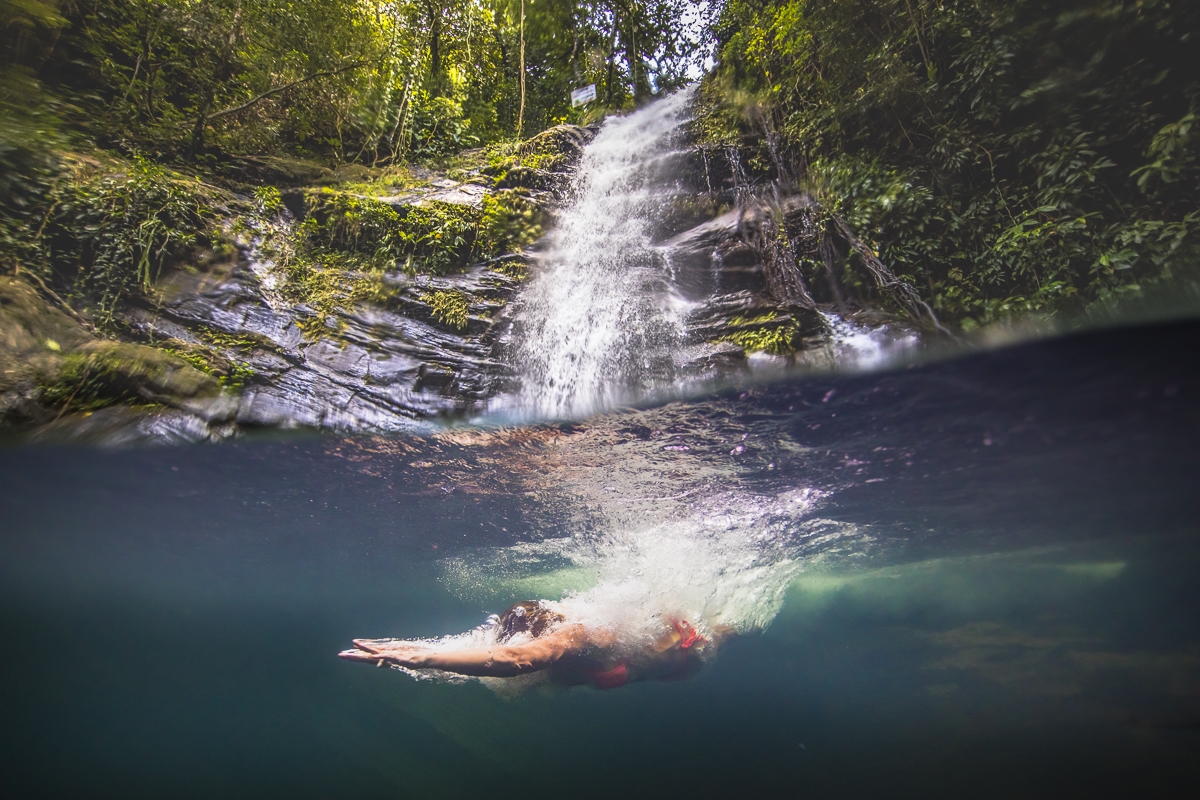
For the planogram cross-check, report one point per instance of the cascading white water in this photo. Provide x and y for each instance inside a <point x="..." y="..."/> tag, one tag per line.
<point x="856" y="347"/>
<point x="600" y="322"/>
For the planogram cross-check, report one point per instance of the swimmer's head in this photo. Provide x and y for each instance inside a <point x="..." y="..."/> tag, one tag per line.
<point x="527" y="617"/>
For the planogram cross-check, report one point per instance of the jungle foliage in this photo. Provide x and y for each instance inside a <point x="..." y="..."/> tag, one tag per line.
<point x="104" y="230"/>
<point x="374" y="82"/>
<point x="1003" y="156"/>
<point x="109" y="109"/>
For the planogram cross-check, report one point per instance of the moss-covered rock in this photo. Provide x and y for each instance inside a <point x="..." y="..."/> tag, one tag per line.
<point x="429" y="237"/>
<point x="542" y="163"/>
<point x="510" y="222"/>
<point x="34" y="337"/>
<point x="450" y="308"/>
<point x="51" y="363"/>
<point x="562" y="142"/>
<point x="769" y="333"/>
<point x="101" y="373"/>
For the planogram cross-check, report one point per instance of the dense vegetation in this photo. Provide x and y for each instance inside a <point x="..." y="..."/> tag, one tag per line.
<point x="1002" y="156"/>
<point x="350" y="80"/>
<point x="123" y="123"/>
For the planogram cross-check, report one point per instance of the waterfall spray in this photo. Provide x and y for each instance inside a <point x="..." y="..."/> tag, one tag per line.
<point x="600" y="321"/>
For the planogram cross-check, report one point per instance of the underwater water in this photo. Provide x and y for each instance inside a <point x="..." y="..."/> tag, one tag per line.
<point x="978" y="575"/>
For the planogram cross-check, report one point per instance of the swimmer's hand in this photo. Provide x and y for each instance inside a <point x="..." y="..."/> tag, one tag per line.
<point x="496" y="661"/>
<point x="382" y="652"/>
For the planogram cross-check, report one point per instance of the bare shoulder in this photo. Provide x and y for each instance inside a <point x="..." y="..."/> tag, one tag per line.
<point x="569" y="636"/>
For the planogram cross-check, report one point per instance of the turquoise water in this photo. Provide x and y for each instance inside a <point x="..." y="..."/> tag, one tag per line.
<point x="977" y="575"/>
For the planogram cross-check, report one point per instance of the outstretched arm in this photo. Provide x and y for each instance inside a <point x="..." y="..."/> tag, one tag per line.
<point x="500" y="661"/>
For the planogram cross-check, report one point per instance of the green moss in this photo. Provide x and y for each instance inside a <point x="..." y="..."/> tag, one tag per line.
<point x="509" y="223"/>
<point x="542" y="152"/>
<point x="517" y="270"/>
<point x="268" y="200"/>
<point x="547" y="162"/>
<point x="449" y="308"/>
<point x="438" y="238"/>
<point x="229" y="372"/>
<point x="433" y="238"/>
<point x="765" y="334"/>
<point x="352" y="224"/>
<point x="109" y="229"/>
<point x="387" y="181"/>
<point x="502" y="155"/>
<point x="337" y="256"/>
<point x="110" y="372"/>
<point x="328" y="282"/>
<point x="324" y="288"/>
<point x="371" y="289"/>
<point x="317" y="326"/>
<point x="230" y="341"/>
<point x="212" y="359"/>
<point x="78" y="385"/>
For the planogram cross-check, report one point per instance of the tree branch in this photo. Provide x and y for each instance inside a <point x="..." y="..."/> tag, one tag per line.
<point x="271" y="92"/>
<point x="902" y="292"/>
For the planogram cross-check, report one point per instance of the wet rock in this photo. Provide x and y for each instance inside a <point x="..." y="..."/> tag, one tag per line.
<point x="535" y="179"/>
<point x="285" y="171"/>
<point x="466" y="194"/>
<point x="35" y="337"/>
<point x="148" y="373"/>
<point x="50" y="363"/>
<point x="723" y="315"/>
<point x="380" y="368"/>
<point x="566" y="141"/>
<point x="124" y="426"/>
<point x="544" y="164"/>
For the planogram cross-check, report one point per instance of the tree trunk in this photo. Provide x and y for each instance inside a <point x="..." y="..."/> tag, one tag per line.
<point x="521" y="108"/>
<point x="634" y="60"/>
<point x="612" y="52"/>
<point x="435" y="50"/>
<point x="218" y="76"/>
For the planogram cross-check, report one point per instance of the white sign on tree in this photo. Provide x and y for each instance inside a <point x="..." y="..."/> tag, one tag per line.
<point x="585" y="95"/>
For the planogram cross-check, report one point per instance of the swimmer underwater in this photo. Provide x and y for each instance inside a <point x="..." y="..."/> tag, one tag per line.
<point x="531" y="637"/>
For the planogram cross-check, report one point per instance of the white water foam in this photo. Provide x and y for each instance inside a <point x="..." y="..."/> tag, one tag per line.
<point x="856" y="347"/>
<point x="726" y="566"/>
<point x="600" y="322"/>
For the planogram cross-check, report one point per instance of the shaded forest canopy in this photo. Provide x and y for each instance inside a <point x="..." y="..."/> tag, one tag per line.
<point x="1001" y="156"/>
<point x="351" y="80"/>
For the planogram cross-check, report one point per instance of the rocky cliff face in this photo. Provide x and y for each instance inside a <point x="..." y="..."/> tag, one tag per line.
<point x="262" y="336"/>
<point x="382" y="306"/>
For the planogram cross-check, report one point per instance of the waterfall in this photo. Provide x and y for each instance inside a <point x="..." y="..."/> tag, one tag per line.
<point x="600" y="323"/>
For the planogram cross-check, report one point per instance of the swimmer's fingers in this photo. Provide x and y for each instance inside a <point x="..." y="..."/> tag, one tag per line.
<point x="394" y="650"/>
<point x="382" y="645"/>
<point x="378" y="659"/>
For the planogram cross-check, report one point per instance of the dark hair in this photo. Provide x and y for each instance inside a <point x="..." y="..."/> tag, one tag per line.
<point x="529" y="617"/>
